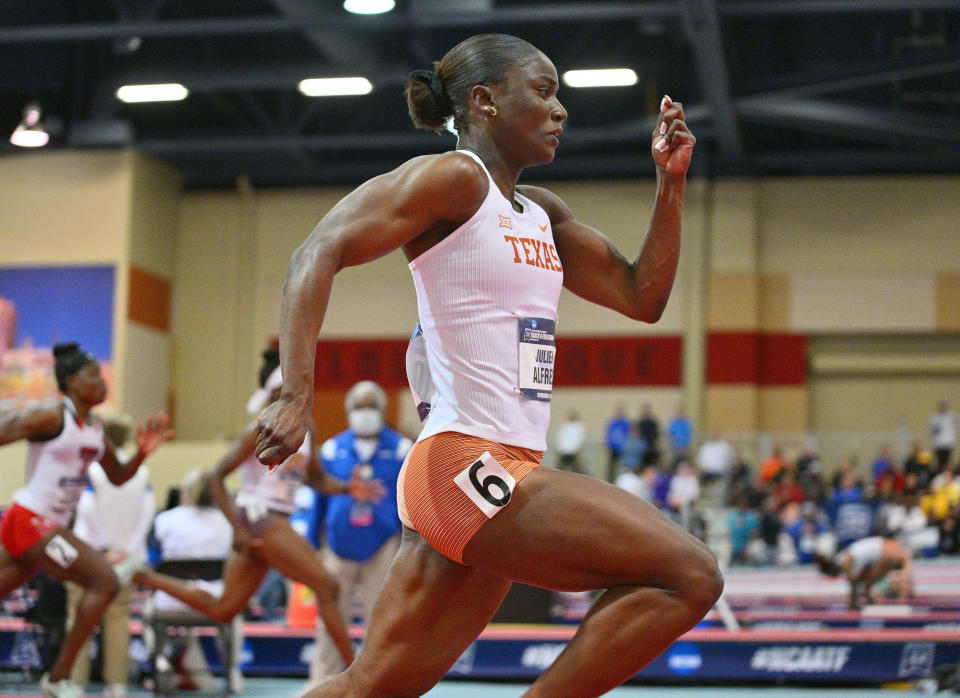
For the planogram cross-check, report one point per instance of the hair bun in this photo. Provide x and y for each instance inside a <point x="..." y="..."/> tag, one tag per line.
<point x="65" y="348"/>
<point x="435" y="83"/>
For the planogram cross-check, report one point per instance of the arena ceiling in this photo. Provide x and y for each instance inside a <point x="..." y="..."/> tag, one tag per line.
<point x="770" y="87"/>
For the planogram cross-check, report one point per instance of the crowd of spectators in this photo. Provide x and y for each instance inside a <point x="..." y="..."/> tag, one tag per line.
<point x="780" y="509"/>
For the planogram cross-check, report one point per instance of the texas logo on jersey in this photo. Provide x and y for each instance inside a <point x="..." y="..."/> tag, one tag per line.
<point x="536" y="253"/>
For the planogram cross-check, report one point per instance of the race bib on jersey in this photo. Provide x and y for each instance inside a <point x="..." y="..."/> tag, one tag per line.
<point x="487" y="484"/>
<point x="537" y="353"/>
<point x="68" y="493"/>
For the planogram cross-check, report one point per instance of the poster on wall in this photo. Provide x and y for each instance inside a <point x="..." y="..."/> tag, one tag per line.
<point x="44" y="306"/>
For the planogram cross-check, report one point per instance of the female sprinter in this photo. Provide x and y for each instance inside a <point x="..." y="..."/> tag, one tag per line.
<point x="64" y="439"/>
<point x="488" y="259"/>
<point x="262" y="534"/>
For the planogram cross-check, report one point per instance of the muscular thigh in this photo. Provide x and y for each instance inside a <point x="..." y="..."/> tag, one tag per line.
<point x="567" y="531"/>
<point x="64" y="556"/>
<point x="426" y="595"/>
<point x="289" y="553"/>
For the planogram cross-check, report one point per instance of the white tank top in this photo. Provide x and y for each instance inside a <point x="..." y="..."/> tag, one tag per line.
<point x="57" y="469"/>
<point x="487" y="297"/>
<point x="865" y="552"/>
<point x="275" y="489"/>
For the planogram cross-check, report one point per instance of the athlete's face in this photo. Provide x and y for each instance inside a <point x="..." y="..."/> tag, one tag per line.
<point x="526" y="101"/>
<point x="87" y="384"/>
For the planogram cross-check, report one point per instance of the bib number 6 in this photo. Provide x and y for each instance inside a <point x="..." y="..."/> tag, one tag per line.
<point x="487" y="484"/>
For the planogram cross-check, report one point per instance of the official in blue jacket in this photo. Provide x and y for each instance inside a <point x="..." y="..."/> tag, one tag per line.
<point x="360" y="537"/>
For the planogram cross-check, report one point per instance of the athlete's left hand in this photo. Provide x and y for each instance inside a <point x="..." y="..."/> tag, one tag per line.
<point x="153" y="432"/>
<point x="672" y="145"/>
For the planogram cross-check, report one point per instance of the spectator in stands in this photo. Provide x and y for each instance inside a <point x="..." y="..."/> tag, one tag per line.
<point x="943" y="494"/>
<point x="943" y="434"/>
<point x="361" y="537"/>
<point x="808" y="462"/>
<point x="882" y="464"/>
<point x="743" y="524"/>
<point x="569" y="440"/>
<point x="195" y="529"/>
<point x="769" y="531"/>
<point x="787" y="489"/>
<point x="893" y="478"/>
<point x="806" y="525"/>
<point x="814" y="487"/>
<point x="851" y="516"/>
<point x="905" y="521"/>
<point x="684" y="490"/>
<point x="920" y="464"/>
<point x="715" y="461"/>
<point x="618" y="428"/>
<point x="115" y="520"/>
<point x="680" y="432"/>
<point x="950" y="533"/>
<point x="632" y="480"/>
<point x="771" y="467"/>
<point x="650" y="431"/>
<point x="633" y="450"/>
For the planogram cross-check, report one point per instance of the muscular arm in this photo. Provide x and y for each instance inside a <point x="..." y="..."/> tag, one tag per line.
<point x="40" y="422"/>
<point x="595" y="270"/>
<point x="239" y="450"/>
<point x="387" y="212"/>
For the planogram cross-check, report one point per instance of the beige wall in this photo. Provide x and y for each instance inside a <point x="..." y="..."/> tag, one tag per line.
<point x="786" y="254"/>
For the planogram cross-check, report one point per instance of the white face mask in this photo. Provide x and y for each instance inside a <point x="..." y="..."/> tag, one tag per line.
<point x="365" y="421"/>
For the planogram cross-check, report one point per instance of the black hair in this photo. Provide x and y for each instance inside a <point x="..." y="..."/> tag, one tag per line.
<point x="271" y="359"/>
<point x="483" y="59"/>
<point x="68" y="358"/>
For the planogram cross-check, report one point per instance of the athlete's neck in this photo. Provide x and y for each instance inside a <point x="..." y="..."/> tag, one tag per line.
<point x="504" y="176"/>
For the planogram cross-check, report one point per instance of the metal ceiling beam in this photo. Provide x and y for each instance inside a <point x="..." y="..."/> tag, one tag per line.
<point x="857" y="122"/>
<point x="342" y="48"/>
<point x="866" y="74"/>
<point x="572" y="12"/>
<point x="702" y="23"/>
<point x="760" y="8"/>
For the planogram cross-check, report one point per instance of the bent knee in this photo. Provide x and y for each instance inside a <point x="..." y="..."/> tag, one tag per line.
<point x="106" y="586"/>
<point x="702" y="583"/>
<point x="223" y="614"/>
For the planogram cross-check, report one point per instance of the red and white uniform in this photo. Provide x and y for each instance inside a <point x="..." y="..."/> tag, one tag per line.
<point x="57" y="469"/>
<point x="274" y="489"/>
<point x="487" y="296"/>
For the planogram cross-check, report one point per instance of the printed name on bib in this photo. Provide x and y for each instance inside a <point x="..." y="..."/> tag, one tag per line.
<point x="537" y="354"/>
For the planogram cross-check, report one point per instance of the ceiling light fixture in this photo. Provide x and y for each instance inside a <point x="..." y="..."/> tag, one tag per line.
<point x="165" y="92"/>
<point x="30" y="132"/>
<point x="368" y="7"/>
<point x="332" y="87"/>
<point x="608" y="77"/>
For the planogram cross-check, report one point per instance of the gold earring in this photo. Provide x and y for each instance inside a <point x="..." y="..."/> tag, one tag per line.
<point x="492" y="111"/>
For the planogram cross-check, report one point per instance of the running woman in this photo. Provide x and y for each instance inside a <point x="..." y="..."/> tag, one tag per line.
<point x="262" y="534"/>
<point x="64" y="438"/>
<point x="488" y="259"/>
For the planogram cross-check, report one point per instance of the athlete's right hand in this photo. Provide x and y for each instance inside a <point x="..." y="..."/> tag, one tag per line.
<point x="280" y="431"/>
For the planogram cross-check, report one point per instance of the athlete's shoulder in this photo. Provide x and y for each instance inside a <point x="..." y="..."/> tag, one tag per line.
<point x="555" y="207"/>
<point x="43" y="420"/>
<point x="451" y="173"/>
